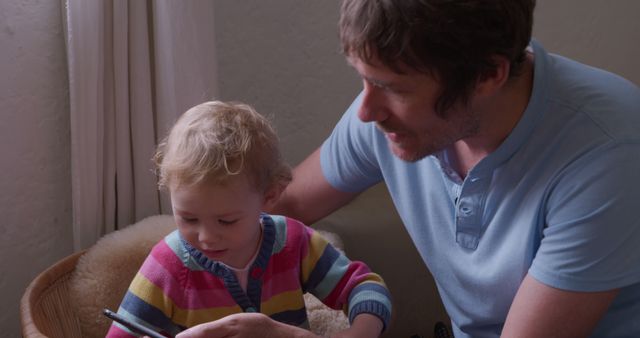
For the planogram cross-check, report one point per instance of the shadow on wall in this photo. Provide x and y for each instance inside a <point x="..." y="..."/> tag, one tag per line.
<point x="373" y="232"/>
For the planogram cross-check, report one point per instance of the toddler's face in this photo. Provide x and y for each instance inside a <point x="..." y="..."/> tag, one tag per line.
<point x="221" y="220"/>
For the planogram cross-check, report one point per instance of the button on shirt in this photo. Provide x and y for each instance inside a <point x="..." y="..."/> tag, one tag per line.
<point x="557" y="199"/>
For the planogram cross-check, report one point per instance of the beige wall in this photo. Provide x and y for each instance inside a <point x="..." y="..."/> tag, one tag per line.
<point x="280" y="56"/>
<point x="605" y="34"/>
<point x="35" y="196"/>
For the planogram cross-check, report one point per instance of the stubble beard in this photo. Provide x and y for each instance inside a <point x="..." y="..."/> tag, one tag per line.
<point x="468" y="125"/>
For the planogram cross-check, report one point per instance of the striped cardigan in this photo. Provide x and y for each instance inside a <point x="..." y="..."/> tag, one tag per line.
<point x="179" y="287"/>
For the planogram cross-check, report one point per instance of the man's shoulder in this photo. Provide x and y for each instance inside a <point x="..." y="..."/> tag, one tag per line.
<point x="606" y="99"/>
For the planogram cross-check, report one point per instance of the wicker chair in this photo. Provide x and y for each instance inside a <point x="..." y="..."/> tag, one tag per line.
<point x="66" y="299"/>
<point x="45" y="308"/>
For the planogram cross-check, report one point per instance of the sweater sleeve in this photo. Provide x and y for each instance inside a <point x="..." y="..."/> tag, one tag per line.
<point x="148" y="300"/>
<point x="341" y="283"/>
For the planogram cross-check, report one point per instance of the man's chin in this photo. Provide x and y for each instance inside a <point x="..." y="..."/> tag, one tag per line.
<point x="407" y="154"/>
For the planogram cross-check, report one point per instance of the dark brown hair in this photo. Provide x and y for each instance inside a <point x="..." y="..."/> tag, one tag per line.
<point x="453" y="40"/>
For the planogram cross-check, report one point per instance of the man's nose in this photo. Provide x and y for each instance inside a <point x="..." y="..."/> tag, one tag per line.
<point x="371" y="108"/>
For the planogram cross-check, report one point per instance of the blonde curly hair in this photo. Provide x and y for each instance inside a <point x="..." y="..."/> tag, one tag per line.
<point x="215" y="140"/>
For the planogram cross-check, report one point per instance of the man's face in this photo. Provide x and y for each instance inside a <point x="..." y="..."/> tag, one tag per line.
<point x="403" y="107"/>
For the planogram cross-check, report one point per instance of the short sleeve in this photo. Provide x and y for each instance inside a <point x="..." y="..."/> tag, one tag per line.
<point x="348" y="156"/>
<point x="591" y="240"/>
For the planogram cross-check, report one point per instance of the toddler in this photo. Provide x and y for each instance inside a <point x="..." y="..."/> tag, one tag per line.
<point x="222" y="166"/>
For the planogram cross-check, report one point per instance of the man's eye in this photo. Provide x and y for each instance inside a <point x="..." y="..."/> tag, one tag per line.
<point x="227" y="222"/>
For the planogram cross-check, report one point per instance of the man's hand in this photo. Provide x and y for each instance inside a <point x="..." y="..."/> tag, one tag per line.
<point x="245" y="325"/>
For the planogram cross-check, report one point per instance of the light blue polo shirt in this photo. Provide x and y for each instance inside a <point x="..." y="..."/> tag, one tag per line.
<point x="559" y="199"/>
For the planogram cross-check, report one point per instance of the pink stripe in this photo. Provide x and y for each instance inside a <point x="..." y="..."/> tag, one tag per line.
<point x="281" y="282"/>
<point x="116" y="332"/>
<point x="163" y="253"/>
<point x="214" y="296"/>
<point x="203" y="290"/>
<point x="295" y="231"/>
<point x="298" y="235"/>
<point x="289" y="257"/>
<point x="187" y="289"/>
<point x="283" y="271"/>
<point x="295" y="225"/>
<point x="287" y="260"/>
<point x="356" y="273"/>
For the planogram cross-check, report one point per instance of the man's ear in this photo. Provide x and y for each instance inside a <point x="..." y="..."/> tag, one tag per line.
<point x="271" y="196"/>
<point x="492" y="82"/>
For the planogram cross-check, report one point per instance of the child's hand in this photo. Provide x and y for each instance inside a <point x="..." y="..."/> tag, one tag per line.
<point x="245" y="325"/>
<point x="364" y="326"/>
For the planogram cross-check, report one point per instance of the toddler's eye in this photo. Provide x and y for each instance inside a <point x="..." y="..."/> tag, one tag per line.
<point x="227" y="222"/>
<point x="190" y="220"/>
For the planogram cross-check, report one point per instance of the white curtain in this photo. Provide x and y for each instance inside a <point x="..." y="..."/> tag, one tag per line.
<point x="134" y="67"/>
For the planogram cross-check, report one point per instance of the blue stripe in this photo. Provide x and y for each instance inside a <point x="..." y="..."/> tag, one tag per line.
<point x="291" y="317"/>
<point x="146" y="313"/>
<point x="323" y="265"/>
<point x="280" y="225"/>
<point x="370" y="298"/>
<point x="175" y="242"/>
<point x="375" y="287"/>
<point x="371" y="307"/>
<point x="365" y="296"/>
<point x="333" y="277"/>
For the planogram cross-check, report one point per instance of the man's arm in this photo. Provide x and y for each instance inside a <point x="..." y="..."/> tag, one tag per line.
<point x="309" y="197"/>
<point x="539" y="310"/>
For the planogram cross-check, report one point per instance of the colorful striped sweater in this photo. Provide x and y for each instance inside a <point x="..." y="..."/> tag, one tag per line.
<point x="179" y="287"/>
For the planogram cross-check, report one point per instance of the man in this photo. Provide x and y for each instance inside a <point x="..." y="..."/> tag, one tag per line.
<point x="512" y="169"/>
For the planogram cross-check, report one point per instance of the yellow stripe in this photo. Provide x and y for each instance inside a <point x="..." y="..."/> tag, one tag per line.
<point x="317" y="245"/>
<point x="375" y="279"/>
<point x="189" y="318"/>
<point x="290" y="300"/>
<point x="151" y="294"/>
<point x="154" y="296"/>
